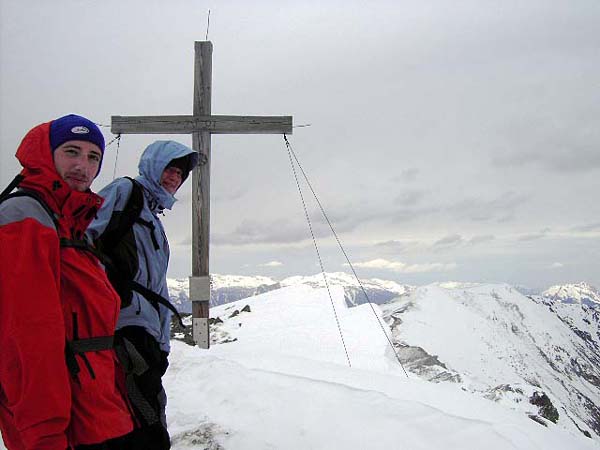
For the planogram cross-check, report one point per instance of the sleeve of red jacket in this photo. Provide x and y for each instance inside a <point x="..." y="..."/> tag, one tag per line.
<point x="34" y="381"/>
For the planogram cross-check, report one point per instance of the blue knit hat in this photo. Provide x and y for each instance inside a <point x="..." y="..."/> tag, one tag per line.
<point x="74" y="128"/>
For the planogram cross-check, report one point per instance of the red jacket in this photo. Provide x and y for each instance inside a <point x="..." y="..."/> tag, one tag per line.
<point x="46" y="293"/>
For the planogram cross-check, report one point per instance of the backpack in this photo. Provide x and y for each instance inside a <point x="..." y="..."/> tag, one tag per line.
<point x="117" y="243"/>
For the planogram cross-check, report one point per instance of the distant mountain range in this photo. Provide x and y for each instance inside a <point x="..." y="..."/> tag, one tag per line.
<point x="229" y="288"/>
<point x="581" y="293"/>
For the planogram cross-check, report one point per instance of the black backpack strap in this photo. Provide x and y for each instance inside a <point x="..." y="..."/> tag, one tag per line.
<point x="134" y="365"/>
<point x="134" y="207"/>
<point x="84" y="245"/>
<point x="155" y="299"/>
<point x="13" y="184"/>
<point x="93" y="344"/>
<point x="80" y="347"/>
<point x="151" y="227"/>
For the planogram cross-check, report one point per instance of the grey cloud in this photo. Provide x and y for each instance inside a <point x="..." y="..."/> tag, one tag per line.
<point x="409" y="198"/>
<point x="575" y="159"/>
<point x="481" y="239"/>
<point x="534" y="236"/>
<point x="567" y="143"/>
<point x="531" y="237"/>
<point x="276" y="232"/>
<point x="588" y="227"/>
<point x="352" y="216"/>
<point x="451" y="240"/>
<point x="501" y="208"/>
<point x="405" y="214"/>
<point x="506" y="218"/>
<point x="346" y="219"/>
<point x="407" y="175"/>
<point x="395" y="247"/>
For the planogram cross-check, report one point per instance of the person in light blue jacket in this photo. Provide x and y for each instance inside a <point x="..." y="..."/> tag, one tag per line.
<point x="139" y="256"/>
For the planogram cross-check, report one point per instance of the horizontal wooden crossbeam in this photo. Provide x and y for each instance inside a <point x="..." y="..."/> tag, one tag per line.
<point x="193" y="124"/>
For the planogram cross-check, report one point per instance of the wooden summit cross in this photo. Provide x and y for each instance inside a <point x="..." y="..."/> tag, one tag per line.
<point x="201" y="126"/>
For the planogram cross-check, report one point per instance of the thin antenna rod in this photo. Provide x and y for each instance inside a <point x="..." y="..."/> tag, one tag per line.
<point x="207" y="25"/>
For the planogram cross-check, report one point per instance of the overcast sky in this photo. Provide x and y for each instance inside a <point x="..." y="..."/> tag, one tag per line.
<point x="448" y="141"/>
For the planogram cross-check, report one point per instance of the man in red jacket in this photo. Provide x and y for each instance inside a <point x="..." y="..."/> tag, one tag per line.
<point x="58" y="311"/>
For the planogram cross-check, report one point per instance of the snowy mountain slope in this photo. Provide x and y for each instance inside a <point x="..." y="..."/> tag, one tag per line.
<point x="277" y="377"/>
<point x="492" y="340"/>
<point x="578" y="306"/>
<point x="229" y="288"/>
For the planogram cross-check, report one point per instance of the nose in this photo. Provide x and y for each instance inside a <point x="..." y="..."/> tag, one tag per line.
<point x="174" y="175"/>
<point x="85" y="166"/>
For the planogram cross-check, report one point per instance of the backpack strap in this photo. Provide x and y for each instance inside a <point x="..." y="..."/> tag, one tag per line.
<point x="80" y="347"/>
<point x="84" y="245"/>
<point x="151" y="227"/>
<point x="155" y="299"/>
<point x="135" y="204"/>
<point x="13" y="184"/>
<point x="134" y="365"/>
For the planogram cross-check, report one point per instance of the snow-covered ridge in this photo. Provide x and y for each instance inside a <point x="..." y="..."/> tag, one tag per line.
<point x="346" y="280"/>
<point x="225" y="281"/>
<point x="377" y="291"/>
<point x="581" y="293"/>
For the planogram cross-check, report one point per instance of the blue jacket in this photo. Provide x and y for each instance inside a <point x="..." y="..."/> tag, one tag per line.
<point x="151" y="263"/>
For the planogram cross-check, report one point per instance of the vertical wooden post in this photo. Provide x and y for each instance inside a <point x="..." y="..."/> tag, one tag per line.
<point x="199" y="281"/>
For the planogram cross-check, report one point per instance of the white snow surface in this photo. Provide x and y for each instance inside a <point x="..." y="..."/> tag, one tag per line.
<point x="285" y="383"/>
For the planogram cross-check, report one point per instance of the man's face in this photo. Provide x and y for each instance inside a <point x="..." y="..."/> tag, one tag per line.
<point x="171" y="179"/>
<point x="77" y="162"/>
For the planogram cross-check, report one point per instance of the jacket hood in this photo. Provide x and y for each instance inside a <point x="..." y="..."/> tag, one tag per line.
<point x="153" y="162"/>
<point x="35" y="155"/>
